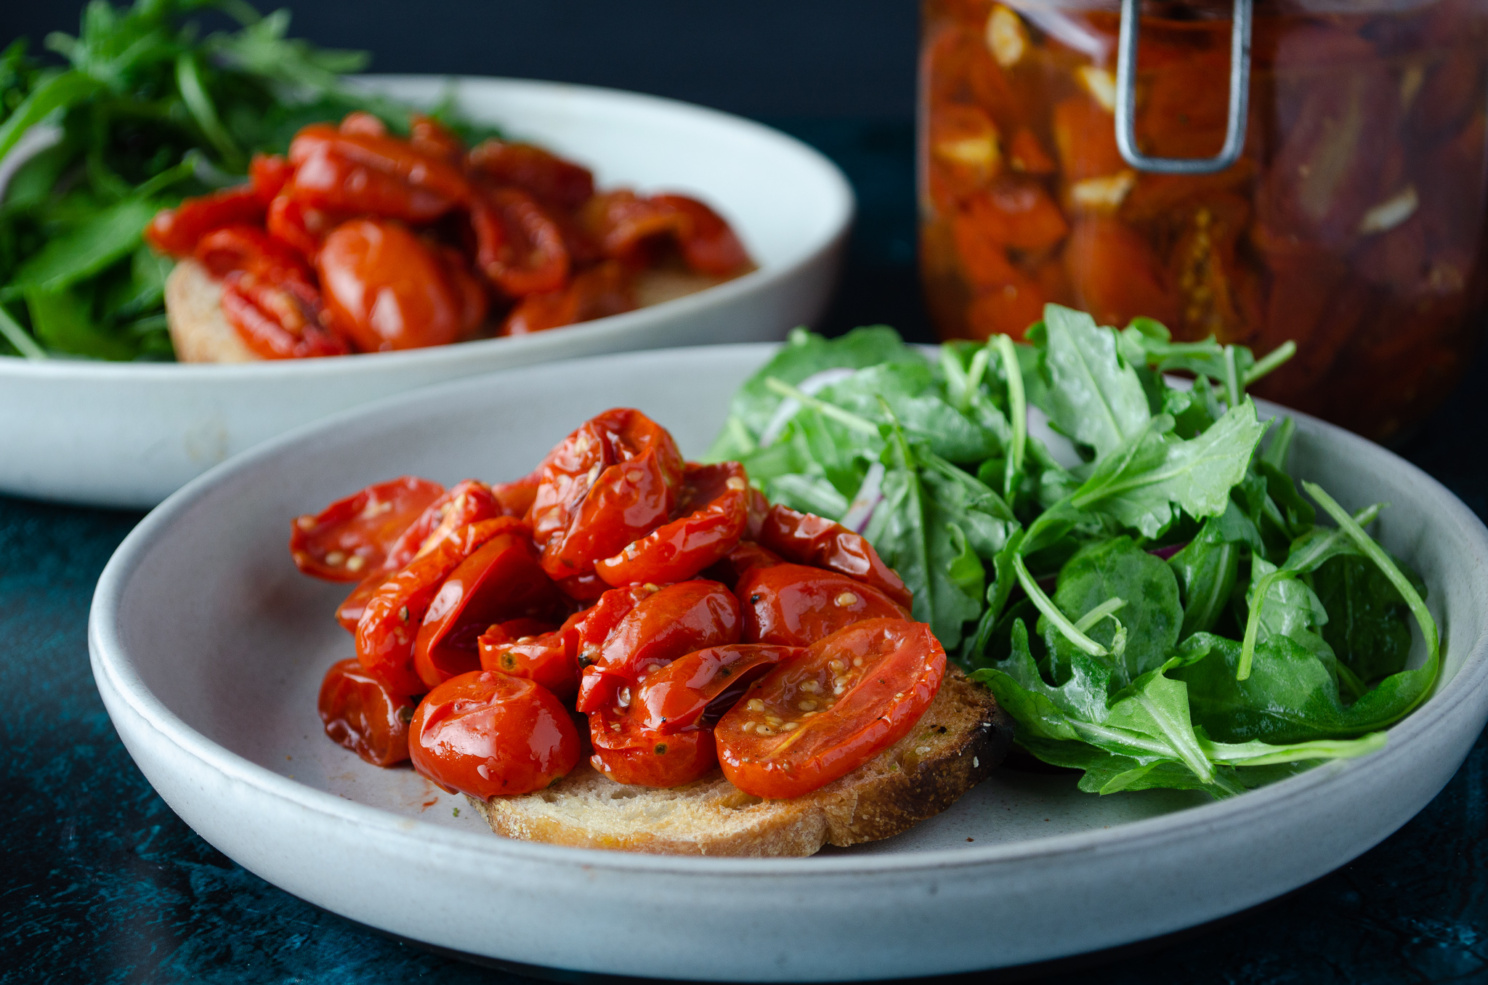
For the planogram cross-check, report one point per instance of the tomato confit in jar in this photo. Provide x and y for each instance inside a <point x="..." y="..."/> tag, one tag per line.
<point x="1352" y="221"/>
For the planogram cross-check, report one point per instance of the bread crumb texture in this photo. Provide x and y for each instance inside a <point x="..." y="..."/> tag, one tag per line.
<point x="962" y="736"/>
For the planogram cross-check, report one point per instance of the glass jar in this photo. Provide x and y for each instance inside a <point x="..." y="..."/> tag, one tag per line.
<point x="1352" y="221"/>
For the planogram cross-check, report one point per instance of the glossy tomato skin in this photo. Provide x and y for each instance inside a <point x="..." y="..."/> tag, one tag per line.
<point x="350" y="539"/>
<point x="628" y="752"/>
<point x="363" y="714"/>
<point x="744" y="558"/>
<point x="177" y="231"/>
<point x="844" y="700"/>
<point x="548" y="178"/>
<point x="501" y="580"/>
<point x="697" y="688"/>
<point x="387" y="289"/>
<point x="550" y="658"/>
<point x="466" y="502"/>
<point x="808" y="539"/>
<point x="520" y="246"/>
<point x="491" y="735"/>
<point x="714" y="503"/>
<point x="691" y="615"/>
<point x="796" y="605"/>
<point x="707" y="243"/>
<point x="612" y="481"/>
<point x="279" y="316"/>
<point x="391" y="618"/>
<point x="364" y="173"/>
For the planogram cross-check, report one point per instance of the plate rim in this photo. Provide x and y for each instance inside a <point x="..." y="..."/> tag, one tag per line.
<point x="109" y="658"/>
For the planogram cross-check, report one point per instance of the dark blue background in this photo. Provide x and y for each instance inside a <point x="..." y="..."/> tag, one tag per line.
<point x="100" y="882"/>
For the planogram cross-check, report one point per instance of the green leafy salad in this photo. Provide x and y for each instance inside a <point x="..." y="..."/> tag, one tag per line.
<point x="1149" y="594"/>
<point x="138" y="111"/>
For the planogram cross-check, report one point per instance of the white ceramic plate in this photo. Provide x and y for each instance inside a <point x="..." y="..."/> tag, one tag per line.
<point x="208" y="648"/>
<point x="131" y="434"/>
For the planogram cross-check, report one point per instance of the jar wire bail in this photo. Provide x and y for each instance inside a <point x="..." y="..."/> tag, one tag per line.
<point x="1126" y="96"/>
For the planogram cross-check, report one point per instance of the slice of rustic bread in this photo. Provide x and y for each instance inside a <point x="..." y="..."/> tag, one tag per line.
<point x="198" y="328"/>
<point x="955" y="745"/>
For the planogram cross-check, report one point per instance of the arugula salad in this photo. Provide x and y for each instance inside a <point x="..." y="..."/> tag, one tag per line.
<point x="138" y="111"/>
<point x="1149" y="593"/>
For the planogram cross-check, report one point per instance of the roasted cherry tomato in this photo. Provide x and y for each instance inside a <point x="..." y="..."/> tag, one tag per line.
<point x="429" y="136"/>
<point x="278" y="318"/>
<point x="349" y="612"/>
<point x="371" y="174"/>
<point x="550" y="658"/>
<point x="392" y="616"/>
<point x="624" y="223"/>
<point x="515" y="497"/>
<point x="715" y="505"/>
<point x="1115" y="275"/>
<point x="500" y="581"/>
<point x="299" y="226"/>
<point x="702" y="685"/>
<point x="707" y="243"/>
<point x="268" y="173"/>
<point x="386" y="289"/>
<point x="351" y="538"/>
<point x="602" y="290"/>
<point x="249" y="248"/>
<point x="796" y="605"/>
<point x="740" y="561"/>
<point x="467" y="501"/>
<point x="519" y="246"/>
<point x="612" y="481"/>
<point x="820" y="716"/>
<point x="492" y="735"/>
<point x="809" y="539"/>
<point x="628" y="752"/>
<point x="361" y="713"/>
<point x="678" y="619"/>
<point x="548" y="178"/>
<point x="177" y="231"/>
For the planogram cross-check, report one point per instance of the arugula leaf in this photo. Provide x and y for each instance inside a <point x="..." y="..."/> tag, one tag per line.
<point x="1093" y="395"/>
<point x="87" y="248"/>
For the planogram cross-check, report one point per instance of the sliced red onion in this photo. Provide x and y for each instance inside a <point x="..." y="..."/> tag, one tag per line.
<point x="790" y="405"/>
<point x="868" y="496"/>
<point x="1166" y="552"/>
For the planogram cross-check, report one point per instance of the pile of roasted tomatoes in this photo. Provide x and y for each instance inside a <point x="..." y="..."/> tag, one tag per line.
<point x="361" y="241"/>
<point x="692" y="623"/>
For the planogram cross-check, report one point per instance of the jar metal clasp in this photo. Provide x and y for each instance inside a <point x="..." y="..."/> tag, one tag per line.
<point x="1126" y="96"/>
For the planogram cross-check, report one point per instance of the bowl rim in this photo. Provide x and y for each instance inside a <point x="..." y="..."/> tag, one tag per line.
<point x="113" y="668"/>
<point x="841" y="201"/>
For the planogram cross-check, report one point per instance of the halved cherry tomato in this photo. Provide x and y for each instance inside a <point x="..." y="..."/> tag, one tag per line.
<point x="467" y="501"/>
<point x="809" y="539"/>
<point x="492" y="735"/>
<point x="278" y="318"/>
<point x="623" y="223"/>
<point x="598" y="292"/>
<point x="740" y="561"/>
<point x="1007" y="308"/>
<point x="386" y="289"/>
<point x="1017" y="212"/>
<point x="676" y="620"/>
<point x="370" y="174"/>
<point x="1114" y="273"/>
<point x="391" y="618"/>
<point x="796" y="605"/>
<point x="519" y="247"/>
<point x="715" y="508"/>
<point x="352" y="537"/>
<point x="593" y="626"/>
<point x="628" y="752"/>
<point x="429" y="136"/>
<point x="299" y="226"/>
<point x="268" y="173"/>
<point x="612" y="481"/>
<point x="349" y="612"/>
<point x="707" y="243"/>
<point x="515" y="497"/>
<point x="231" y="248"/>
<point x="549" y="658"/>
<point x="844" y="700"/>
<point x="1085" y="137"/>
<point x="360" y="121"/>
<point x="361" y="713"/>
<point x="1027" y="154"/>
<point x="177" y="231"/>
<point x="703" y="684"/>
<point x="547" y="177"/>
<point x="500" y="580"/>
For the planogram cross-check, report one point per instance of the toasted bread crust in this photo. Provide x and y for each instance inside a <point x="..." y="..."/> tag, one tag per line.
<point x="199" y="330"/>
<point x="955" y="745"/>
